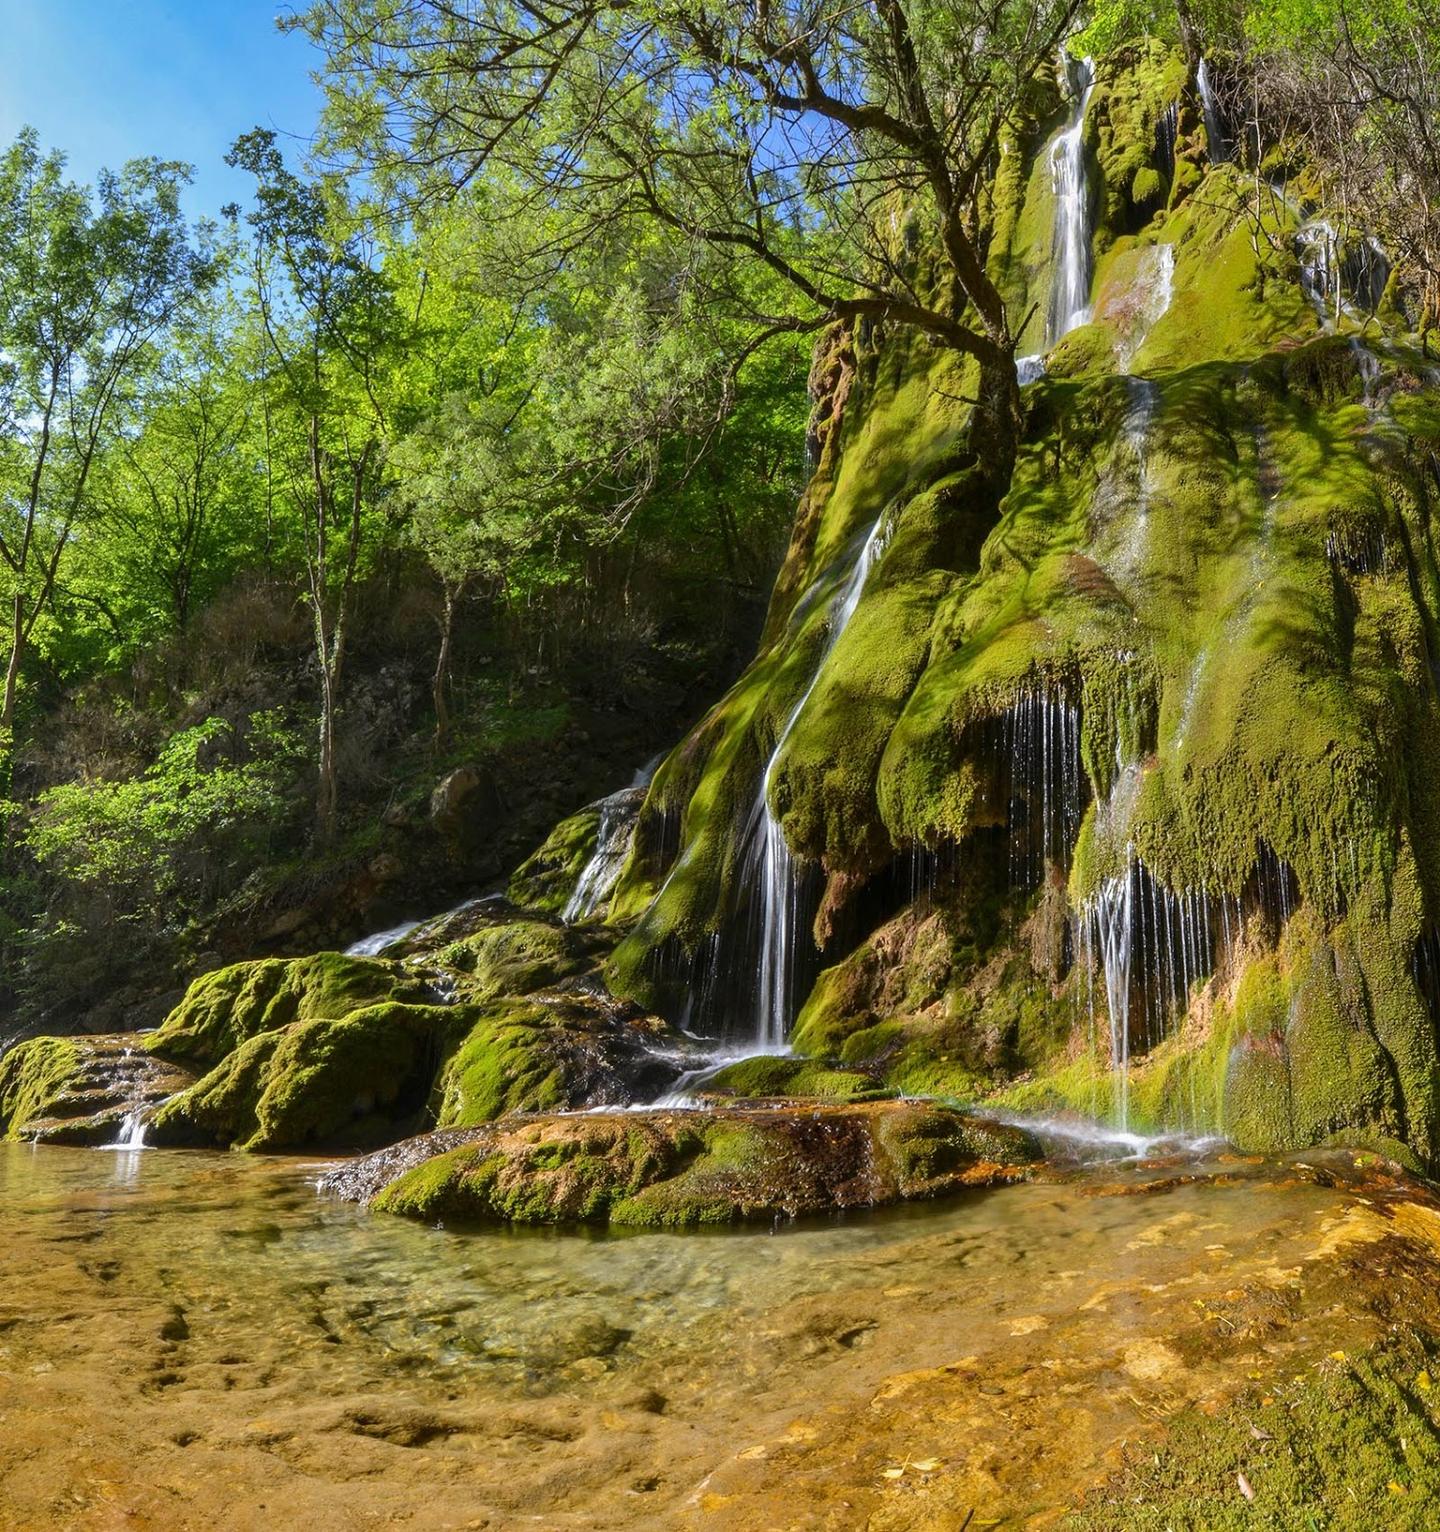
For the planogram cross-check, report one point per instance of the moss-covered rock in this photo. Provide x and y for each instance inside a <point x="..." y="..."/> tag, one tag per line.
<point x="1216" y="559"/>
<point x="1351" y="1443"/>
<point x="80" y="1090"/>
<point x="223" y="1009"/>
<point x="682" y="1168"/>
<point x="351" y="1081"/>
<point x="794" y="1078"/>
<point x="547" y="877"/>
<point x="544" y="1052"/>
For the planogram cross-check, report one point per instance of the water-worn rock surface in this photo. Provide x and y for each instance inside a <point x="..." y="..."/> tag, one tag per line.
<point x="82" y="1090"/>
<point x="198" y="1343"/>
<point x="678" y="1168"/>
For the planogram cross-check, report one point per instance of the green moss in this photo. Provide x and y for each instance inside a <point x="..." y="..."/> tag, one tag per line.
<point x="223" y="1009"/>
<point x="1188" y="556"/>
<point x="312" y="1081"/>
<point x="683" y="1169"/>
<point x="1349" y="1444"/>
<point x="518" y="956"/>
<point x="760" y="1077"/>
<point x="547" y="878"/>
<point x="507" y="1060"/>
<point x="34" y="1075"/>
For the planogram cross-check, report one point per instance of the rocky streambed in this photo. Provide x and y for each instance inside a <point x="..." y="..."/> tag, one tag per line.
<point x="195" y="1340"/>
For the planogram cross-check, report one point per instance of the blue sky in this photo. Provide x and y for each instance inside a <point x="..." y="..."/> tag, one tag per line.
<point x="110" y="80"/>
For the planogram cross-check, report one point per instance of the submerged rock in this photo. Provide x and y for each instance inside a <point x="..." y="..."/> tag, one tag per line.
<point x="679" y="1168"/>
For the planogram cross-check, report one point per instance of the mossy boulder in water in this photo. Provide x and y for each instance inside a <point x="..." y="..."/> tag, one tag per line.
<point x="350" y="1052"/>
<point x="351" y="1080"/>
<point x="682" y="1168"/>
<point x="226" y="1008"/>
<point x="814" y="1079"/>
<point x="80" y="1090"/>
<point x="546" y="1051"/>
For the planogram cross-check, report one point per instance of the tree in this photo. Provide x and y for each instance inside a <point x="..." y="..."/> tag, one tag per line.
<point x="826" y="143"/>
<point x="87" y="282"/>
<point x="473" y="513"/>
<point x="330" y="323"/>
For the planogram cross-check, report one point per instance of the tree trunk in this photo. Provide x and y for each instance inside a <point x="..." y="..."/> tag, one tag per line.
<point x="998" y="419"/>
<point x="440" y="681"/>
<point x="327" y="795"/>
<point x="12" y="670"/>
<point x="1189" y="38"/>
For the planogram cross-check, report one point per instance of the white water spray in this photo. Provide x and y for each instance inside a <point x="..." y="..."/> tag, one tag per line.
<point x="378" y="941"/>
<point x="1216" y="144"/>
<point x="613" y="839"/>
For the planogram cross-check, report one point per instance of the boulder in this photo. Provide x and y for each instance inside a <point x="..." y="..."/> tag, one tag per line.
<point x="81" y="1090"/>
<point x="679" y="1168"/>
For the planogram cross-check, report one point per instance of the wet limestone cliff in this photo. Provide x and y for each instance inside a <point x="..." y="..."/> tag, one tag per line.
<point x="1104" y="791"/>
<point x="1116" y="796"/>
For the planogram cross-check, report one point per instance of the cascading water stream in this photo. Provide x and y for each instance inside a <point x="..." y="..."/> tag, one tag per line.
<point x="1217" y="146"/>
<point x="132" y="1131"/>
<point x="1070" y="286"/>
<point x="374" y="944"/>
<point x="1070" y="291"/>
<point x="613" y="838"/>
<point x="778" y="885"/>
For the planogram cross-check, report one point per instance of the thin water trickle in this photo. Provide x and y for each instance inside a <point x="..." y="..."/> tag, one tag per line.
<point x="774" y="866"/>
<point x="613" y="839"/>
<point x="1070" y="291"/>
<point x="1167" y="133"/>
<point x="1044" y="783"/>
<point x="1148" y="301"/>
<point x="376" y="943"/>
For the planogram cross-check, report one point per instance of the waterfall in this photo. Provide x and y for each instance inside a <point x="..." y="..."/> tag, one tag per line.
<point x="377" y="942"/>
<point x="1044" y="788"/>
<point x="775" y="871"/>
<point x="1149" y="945"/>
<point x="613" y="838"/>
<point x="1167" y="133"/>
<point x="1216" y="144"/>
<point x="1070" y="293"/>
<point x="1148" y="300"/>
<point x="1317" y="248"/>
<point x="132" y="1130"/>
<point x="1365" y="271"/>
<point x="1128" y="559"/>
<point x="1029" y="369"/>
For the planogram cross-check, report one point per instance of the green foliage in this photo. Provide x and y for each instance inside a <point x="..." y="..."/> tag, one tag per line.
<point x="147" y="842"/>
<point x="88" y="284"/>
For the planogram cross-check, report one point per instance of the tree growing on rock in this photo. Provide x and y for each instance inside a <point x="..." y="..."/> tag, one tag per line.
<point x="841" y="149"/>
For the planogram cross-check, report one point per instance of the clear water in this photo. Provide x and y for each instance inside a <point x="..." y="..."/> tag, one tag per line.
<point x="199" y="1340"/>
